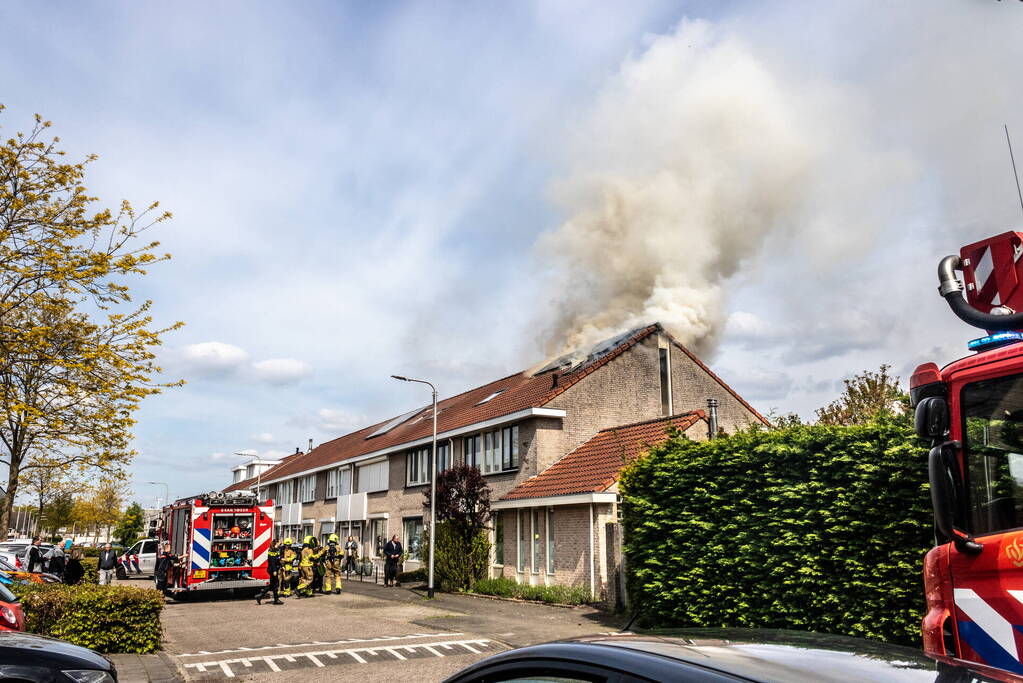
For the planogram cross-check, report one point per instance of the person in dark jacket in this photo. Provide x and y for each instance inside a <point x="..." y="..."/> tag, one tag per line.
<point x="273" y="566"/>
<point x="163" y="565"/>
<point x="36" y="558"/>
<point x="392" y="558"/>
<point x="73" y="570"/>
<point x="107" y="565"/>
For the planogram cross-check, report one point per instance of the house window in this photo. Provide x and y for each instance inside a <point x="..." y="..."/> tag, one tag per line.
<point x="520" y="541"/>
<point x="665" y="372"/>
<point x="471" y="450"/>
<point x="443" y="456"/>
<point x="413" y="537"/>
<point x="286" y="492"/>
<point x="417" y="467"/>
<point x="331" y="489"/>
<point x="373" y="477"/>
<point x="499" y="539"/>
<point x="307" y="530"/>
<point x="326" y="529"/>
<point x="344" y="481"/>
<point x="534" y="552"/>
<point x="377" y="536"/>
<point x="550" y="540"/>
<point x="307" y="489"/>
<point x="500" y="450"/>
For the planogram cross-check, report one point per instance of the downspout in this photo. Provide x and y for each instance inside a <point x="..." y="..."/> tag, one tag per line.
<point x="592" y="586"/>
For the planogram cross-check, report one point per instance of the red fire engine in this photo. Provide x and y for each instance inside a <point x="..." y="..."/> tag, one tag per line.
<point x="972" y="410"/>
<point x="220" y="541"/>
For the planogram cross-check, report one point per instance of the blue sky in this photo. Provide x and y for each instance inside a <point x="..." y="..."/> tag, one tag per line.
<point x="400" y="188"/>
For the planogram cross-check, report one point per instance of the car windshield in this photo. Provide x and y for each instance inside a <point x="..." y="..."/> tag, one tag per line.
<point x="6" y="595"/>
<point x="993" y="443"/>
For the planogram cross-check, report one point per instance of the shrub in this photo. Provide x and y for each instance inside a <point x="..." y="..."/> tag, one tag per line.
<point x="507" y="588"/>
<point x="413" y="576"/>
<point x="104" y="618"/>
<point x="91" y="567"/>
<point x="458" y="563"/>
<point x="816" y="528"/>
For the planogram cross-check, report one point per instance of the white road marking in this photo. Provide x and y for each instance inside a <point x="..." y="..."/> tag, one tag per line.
<point x="355" y="653"/>
<point x="206" y="653"/>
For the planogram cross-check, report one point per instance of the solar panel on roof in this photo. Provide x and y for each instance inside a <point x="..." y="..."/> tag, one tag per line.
<point x="388" y="426"/>
<point x="490" y="397"/>
<point x="579" y="358"/>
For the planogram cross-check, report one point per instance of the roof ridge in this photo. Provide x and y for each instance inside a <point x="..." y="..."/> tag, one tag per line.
<point x="698" y="412"/>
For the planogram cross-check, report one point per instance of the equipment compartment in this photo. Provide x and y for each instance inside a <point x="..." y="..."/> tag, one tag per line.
<point x="232" y="541"/>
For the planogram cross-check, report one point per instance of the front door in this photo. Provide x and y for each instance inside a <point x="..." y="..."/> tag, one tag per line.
<point x="988" y="586"/>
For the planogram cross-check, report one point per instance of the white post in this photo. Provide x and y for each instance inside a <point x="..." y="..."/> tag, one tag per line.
<point x="593" y="589"/>
<point x="433" y="494"/>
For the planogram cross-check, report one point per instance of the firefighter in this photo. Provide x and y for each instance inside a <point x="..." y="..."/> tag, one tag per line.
<point x="306" y="566"/>
<point x="273" y="566"/>
<point x="288" y="559"/>
<point x="332" y="566"/>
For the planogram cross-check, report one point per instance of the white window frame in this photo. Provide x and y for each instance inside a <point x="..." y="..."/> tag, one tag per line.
<point x="330" y="491"/>
<point x="286" y="492"/>
<point x="534" y="539"/>
<point x="307" y="489"/>
<point x="499" y="450"/>
<point x="520" y="538"/>
<point x="417" y="466"/>
<point x="365" y="485"/>
<point x="549" y="539"/>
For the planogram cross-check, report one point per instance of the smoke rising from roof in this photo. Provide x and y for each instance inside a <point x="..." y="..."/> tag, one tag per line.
<point x="696" y="153"/>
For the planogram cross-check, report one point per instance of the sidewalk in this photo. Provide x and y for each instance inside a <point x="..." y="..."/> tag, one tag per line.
<point x="157" y="668"/>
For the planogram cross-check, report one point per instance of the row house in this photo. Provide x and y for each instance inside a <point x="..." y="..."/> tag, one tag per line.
<point x="550" y="443"/>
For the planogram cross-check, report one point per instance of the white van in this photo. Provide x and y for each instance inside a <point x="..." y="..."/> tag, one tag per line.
<point x="146" y="549"/>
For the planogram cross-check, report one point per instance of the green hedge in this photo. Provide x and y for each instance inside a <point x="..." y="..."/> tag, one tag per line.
<point x="413" y="576"/>
<point x="104" y="618"/>
<point x="507" y="588"/>
<point x="91" y="567"/>
<point x="811" y="528"/>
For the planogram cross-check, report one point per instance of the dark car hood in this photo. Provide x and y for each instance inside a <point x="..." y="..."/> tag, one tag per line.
<point x="40" y="650"/>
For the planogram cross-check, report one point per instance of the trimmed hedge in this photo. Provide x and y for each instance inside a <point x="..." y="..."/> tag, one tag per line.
<point x="104" y="618"/>
<point x="91" y="567"/>
<point x="811" y="528"/>
<point x="413" y="576"/>
<point x="507" y="588"/>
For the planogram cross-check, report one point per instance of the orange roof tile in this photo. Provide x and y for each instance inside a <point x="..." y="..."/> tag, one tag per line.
<point x="595" y="465"/>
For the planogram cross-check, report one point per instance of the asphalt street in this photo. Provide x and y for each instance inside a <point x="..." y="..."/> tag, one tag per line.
<point x="368" y="633"/>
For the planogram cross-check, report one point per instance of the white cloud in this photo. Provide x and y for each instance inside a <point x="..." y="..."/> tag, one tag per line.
<point x="264" y="437"/>
<point x="281" y="370"/>
<point x="213" y="358"/>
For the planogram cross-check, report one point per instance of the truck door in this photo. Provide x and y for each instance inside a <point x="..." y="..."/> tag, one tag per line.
<point x="988" y="586"/>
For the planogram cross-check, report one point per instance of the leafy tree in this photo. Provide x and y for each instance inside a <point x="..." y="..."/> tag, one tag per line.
<point x="76" y="355"/>
<point x="867" y="396"/>
<point x="463" y="514"/>
<point x="60" y="511"/>
<point x="131" y="525"/>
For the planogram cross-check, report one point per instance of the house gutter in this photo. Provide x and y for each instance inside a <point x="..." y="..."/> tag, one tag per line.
<point x="592" y="586"/>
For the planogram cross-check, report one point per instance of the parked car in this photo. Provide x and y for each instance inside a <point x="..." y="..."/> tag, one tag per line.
<point x="38" y="659"/>
<point x="11" y="616"/>
<point x="146" y="549"/>
<point x="716" y="655"/>
<point x="16" y="553"/>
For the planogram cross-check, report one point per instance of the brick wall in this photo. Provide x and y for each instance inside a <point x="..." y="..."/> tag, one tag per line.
<point x="691" y="386"/>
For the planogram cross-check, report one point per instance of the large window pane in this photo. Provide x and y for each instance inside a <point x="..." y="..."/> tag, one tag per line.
<point x="414" y="537"/>
<point x="993" y="442"/>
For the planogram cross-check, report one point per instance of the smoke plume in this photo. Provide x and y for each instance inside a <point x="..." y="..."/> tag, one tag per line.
<point x="694" y="155"/>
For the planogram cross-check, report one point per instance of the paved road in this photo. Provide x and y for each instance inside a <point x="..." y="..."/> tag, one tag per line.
<point x="368" y="633"/>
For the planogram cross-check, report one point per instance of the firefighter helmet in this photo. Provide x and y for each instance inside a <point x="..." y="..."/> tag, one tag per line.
<point x="308" y="540"/>
<point x="287" y="541"/>
<point x="332" y="538"/>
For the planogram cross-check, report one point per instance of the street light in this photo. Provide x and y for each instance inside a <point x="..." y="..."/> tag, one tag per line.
<point x="166" y="499"/>
<point x="259" y="472"/>
<point x="433" y="479"/>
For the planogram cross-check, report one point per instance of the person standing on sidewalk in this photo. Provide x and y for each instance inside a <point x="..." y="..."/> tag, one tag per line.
<point x="392" y="557"/>
<point x="351" y="554"/>
<point x="107" y="565"/>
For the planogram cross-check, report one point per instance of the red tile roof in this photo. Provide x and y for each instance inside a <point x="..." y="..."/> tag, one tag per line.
<point x="595" y="465"/>
<point x="517" y="392"/>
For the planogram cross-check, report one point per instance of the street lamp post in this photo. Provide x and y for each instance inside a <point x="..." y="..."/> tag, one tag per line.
<point x="166" y="490"/>
<point x="259" y="472"/>
<point x="433" y="480"/>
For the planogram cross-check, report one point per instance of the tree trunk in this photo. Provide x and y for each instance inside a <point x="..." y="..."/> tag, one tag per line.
<point x="12" y="491"/>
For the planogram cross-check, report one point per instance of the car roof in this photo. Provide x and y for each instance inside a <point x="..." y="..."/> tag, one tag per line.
<point x="28" y="648"/>
<point x="751" y="654"/>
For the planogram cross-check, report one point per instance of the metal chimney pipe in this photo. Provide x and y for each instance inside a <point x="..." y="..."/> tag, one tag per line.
<point x="712" y="418"/>
<point x="310" y="445"/>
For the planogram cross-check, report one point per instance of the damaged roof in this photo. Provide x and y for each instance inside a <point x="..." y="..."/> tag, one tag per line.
<point x="595" y="466"/>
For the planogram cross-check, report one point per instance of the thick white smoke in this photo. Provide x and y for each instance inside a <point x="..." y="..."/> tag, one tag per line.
<point x="696" y="153"/>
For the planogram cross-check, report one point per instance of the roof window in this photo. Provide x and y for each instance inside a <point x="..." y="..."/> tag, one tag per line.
<point x="492" y="396"/>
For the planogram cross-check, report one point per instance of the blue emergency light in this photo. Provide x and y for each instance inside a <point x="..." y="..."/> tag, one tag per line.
<point x="993" y="340"/>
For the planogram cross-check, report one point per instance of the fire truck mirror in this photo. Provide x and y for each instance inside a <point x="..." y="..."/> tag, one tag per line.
<point x="932" y="418"/>
<point x="942" y="479"/>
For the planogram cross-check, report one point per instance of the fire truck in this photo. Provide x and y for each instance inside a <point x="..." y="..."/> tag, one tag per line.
<point x="972" y="412"/>
<point x="219" y="541"/>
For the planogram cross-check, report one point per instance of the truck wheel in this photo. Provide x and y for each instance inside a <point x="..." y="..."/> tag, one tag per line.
<point x="121" y="574"/>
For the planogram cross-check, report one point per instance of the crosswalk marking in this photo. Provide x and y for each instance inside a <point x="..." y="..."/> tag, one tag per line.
<point x="346" y="641"/>
<point x="475" y="646"/>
